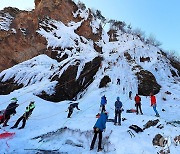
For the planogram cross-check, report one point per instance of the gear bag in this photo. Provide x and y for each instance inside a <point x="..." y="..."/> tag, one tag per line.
<point x="136" y="128"/>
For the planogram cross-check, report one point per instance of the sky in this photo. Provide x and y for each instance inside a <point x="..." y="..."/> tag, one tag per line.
<point x="160" y="18"/>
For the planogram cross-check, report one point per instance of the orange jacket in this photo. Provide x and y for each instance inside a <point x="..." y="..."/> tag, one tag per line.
<point x="153" y="100"/>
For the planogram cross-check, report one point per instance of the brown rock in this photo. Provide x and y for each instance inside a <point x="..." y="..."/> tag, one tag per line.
<point x="104" y="81"/>
<point x="68" y="87"/>
<point x="26" y="43"/>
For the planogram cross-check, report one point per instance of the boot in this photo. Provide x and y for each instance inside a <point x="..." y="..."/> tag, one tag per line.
<point x="157" y="115"/>
<point x="100" y="149"/>
<point x="5" y="125"/>
<point x="13" y="127"/>
<point x="20" y="127"/>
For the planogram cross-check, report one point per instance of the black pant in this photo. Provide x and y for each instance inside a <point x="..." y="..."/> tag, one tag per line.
<point x="18" y="121"/>
<point x="94" y="138"/>
<point x="138" y="105"/>
<point x="69" y="114"/>
<point x="117" y="115"/>
<point x="103" y="108"/>
<point x="6" y="119"/>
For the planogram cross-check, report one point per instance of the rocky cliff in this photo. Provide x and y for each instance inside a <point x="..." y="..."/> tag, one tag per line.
<point x="77" y="53"/>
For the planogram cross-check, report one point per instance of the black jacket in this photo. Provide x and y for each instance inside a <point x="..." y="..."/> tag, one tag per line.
<point x="11" y="109"/>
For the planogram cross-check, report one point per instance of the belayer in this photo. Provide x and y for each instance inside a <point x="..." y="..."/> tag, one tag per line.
<point x="10" y="110"/>
<point x="25" y="116"/>
<point x="153" y="104"/>
<point x="71" y="108"/>
<point x="138" y="104"/>
<point x="99" y="127"/>
<point x="118" y="110"/>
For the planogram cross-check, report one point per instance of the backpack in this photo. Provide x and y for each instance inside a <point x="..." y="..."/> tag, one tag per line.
<point x="136" y="128"/>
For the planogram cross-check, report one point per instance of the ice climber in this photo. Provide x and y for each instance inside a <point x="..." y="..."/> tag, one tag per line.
<point x="118" y="110"/>
<point x="118" y="81"/>
<point x="103" y="103"/>
<point x="153" y="104"/>
<point x="71" y="108"/>
<point x="25" y="116"/>
<point x="99" y="127"/>
<point x="10" y="110"/>
<point x="138" y="104"/>
<point x="130" y="95"/>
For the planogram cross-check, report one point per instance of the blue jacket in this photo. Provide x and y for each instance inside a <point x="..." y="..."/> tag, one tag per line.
<point x="118" y="105"/>
<point x="103" y="100"/>
<point x="101" y="122"/>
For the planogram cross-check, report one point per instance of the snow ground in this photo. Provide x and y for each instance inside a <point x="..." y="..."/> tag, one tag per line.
<point x="49" y="116"/>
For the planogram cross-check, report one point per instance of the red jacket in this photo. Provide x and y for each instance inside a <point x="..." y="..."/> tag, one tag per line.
<point x="137" y="99"/>
<point x="153" y="100"/>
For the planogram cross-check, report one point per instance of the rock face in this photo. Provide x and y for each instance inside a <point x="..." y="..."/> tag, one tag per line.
<point x="147" y="83"/>
<point x="104" y="81"/>
<point x="9" y="86"/>
<point x="68" y="87"/>
<point x="72" y="36"/>
<point x="21" y="42"/>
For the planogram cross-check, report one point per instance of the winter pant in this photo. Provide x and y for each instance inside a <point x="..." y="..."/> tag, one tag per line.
<point x="94" y="138"/>
<point x="18" y="121"/>
<point x="118" y="82"/>
<point x="117" y="115"/>
<point x="138" y="105"/>
<point x="69" y="114"/>
<point x="103" y="108"/>
<point x="77" y="107"/>
<point x="154" y="108"/>
<point x="6" y="119"/>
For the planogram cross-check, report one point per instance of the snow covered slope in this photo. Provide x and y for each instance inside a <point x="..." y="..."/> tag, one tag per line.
<point x="49" y="117"/>
<point x="74" y="71"/>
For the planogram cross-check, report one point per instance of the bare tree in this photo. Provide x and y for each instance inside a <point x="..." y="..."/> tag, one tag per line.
<point x="101" y="17"/>
<point x="141" y="34"/>
<point x="117" y="25"/>
<point x="81" y="5"/>
<point x="153" y="41"/>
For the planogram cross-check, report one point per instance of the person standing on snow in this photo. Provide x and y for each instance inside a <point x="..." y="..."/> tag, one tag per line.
<point x="25" y="116"/>
<point x="138" y="103"/>
<point x="99" y="127"/>
<point x="118" y="110"/>
<point x="103" y="103"/>
<point x="11" y="109"/>
<point x="118" y="81"/>
<point x="71" y="108"/>
<point x="153" y="104"/>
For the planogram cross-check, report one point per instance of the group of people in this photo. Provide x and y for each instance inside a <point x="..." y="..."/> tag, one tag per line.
<point x="11" y="110"/>
<point x="100" y="124"/>
<point x="137" y="100"/>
